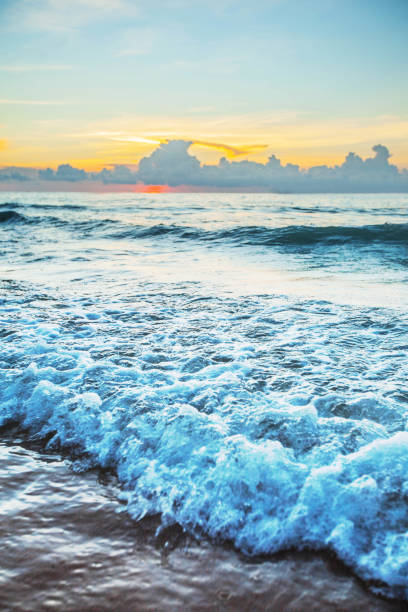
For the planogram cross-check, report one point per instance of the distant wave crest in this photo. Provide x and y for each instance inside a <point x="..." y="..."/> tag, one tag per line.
<point x="10" y="216"/>
<point x="291" y="235"/>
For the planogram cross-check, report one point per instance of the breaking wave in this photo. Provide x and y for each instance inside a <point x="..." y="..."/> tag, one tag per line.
<point x="223" y="416"/>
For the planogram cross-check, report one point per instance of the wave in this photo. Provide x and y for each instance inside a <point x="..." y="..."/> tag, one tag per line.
<point x="289" y="236"/>
<point x="10" y="205"/>
<point x="197" y="431"/>
<point x="43" y="206"/>
<point x="296" y="235"/>
<point x="12" y="217"/>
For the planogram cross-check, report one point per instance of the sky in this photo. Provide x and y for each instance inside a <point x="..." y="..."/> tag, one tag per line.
<point x="100" y="83"/>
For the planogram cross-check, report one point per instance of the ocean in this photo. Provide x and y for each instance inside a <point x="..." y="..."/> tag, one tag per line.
<point x="203" y="401"/>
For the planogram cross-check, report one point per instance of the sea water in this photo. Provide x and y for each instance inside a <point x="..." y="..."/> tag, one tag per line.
<point x="238" y="362"/>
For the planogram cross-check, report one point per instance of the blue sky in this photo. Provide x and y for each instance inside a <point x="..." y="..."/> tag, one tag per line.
<point x="91" y="81"/>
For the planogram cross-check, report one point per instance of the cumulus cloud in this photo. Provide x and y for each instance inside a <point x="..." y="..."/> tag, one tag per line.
<point x="14" y="173"/>
<point x="64" y="172"/>
<point x="172" y="164"/>
<point x="121" y="175"/>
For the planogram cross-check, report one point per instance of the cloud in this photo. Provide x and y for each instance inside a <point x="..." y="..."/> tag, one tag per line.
<point x="172" y="164"/>
<point x="13" y="173"/>
<point x="124" y="137"/>
<point x="120" y="174"/>
<point x="36" y="68"/>
<point x="231" y="151"/>
<point x="33" y="102"/>
<point x="64" y="16"/>
<point x="64" y="172"/>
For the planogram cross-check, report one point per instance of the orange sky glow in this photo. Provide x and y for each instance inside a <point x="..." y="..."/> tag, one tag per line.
<point x="298" y="139"/>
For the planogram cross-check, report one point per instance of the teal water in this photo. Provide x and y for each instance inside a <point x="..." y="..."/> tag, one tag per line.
<point x="237" y="361"/>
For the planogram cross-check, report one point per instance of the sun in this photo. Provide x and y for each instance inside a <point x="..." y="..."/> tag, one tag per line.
<point x="155" y="189"/>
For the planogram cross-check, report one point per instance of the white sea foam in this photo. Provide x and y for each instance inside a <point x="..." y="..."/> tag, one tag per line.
<point x="269" y="422"/>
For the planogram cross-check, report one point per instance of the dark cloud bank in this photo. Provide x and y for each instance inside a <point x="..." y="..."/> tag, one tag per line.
<point x="171" y="164"/>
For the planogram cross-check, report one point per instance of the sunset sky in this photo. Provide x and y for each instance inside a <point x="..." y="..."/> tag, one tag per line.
<point x="95" y="83"/>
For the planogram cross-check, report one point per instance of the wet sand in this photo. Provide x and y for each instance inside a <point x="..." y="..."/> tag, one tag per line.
<point x="68" y="544"/>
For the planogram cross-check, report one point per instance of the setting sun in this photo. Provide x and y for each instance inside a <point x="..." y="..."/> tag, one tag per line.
<point x="155" y="189"/>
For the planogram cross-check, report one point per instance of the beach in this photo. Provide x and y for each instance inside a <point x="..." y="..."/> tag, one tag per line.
<point x="67" y="544"/>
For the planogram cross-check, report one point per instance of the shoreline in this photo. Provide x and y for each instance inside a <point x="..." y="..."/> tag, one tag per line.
<point x="69" y="544"/>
